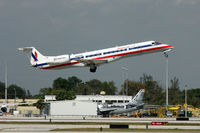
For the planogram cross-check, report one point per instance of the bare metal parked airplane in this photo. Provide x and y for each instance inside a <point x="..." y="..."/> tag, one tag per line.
<point x="4" y="106"/>
<point x="93" y="59"/>
<point x="135" y="104"/>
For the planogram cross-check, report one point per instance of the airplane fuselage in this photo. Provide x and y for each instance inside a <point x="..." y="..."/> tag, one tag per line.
<point x="109" y="54"/>
<point x="95" y="58"/>
<point x="119" y="109"/>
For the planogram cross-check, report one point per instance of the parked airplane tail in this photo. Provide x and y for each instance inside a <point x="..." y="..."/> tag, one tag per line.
<point x="139" y="96"/>
<point x="33" y="55"/>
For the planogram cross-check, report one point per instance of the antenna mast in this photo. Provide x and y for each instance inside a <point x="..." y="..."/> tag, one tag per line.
<point x="6" y="83"/>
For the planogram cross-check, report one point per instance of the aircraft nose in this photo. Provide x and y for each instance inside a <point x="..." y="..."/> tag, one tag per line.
<point x="170" y="46"/>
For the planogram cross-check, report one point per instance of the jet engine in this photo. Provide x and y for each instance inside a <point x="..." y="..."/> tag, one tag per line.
<point x="4" y="109"/>
<point x="59" y="59"/>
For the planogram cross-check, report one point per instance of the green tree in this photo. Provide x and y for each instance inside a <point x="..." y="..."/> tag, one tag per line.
<point x="28" y="94"/>
<point x="96" y="86"/>
<point x="73" y="82"/>
<point x="2" y="89"/>
<point x="40" y="105"/>
<point x="153" y="91"/>
<point x="20" y="92"/>
<point x="193" y="96"/>
<point x="83" y="89"/>
<point x="146" y="78"/>
<point x="174" y="92"/>
<point x="67" y="84"/>
<point x="65" y="95"/>
<point x="46" y="91"/>
<point x="60" y="83"/>
<point x="133" y="87"/>
<point x="109" y="88"/>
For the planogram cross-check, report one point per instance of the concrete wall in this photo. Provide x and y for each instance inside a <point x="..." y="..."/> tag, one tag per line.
<point x="72" y="107"/>
<point x="19" y="100"/>
<point x="28" y="110"/>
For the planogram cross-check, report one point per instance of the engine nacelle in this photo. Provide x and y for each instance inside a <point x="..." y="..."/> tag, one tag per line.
<point x="59" y="59"/>
<point x="4" y="109"/>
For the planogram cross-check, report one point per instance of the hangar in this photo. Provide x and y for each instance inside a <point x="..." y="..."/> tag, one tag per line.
<point x="83" y="105"/>
<point x="104" y="98"/>
<point x="71" y="107"/>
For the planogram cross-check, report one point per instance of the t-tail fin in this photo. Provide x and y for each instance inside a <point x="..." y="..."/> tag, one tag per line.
<point x="139" y="97"/>
<point x="33" y="55"/>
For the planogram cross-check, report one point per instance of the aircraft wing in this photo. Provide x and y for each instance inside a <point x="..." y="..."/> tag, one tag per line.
<point x="106" y="110"/>
<point x="89" y="62"/>
<point x="13" y="104"/>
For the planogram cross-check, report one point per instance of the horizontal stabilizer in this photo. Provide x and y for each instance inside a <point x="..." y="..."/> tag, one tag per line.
<point x="26" y="49"/>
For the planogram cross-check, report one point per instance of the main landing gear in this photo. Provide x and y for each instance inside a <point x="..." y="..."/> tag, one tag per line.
<point x="93" y="69"/>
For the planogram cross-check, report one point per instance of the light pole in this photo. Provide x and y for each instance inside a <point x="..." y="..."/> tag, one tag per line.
<point x="15" y="98"/>
<point x="166" y="87"/>
<point x="125" y="84"/>
<point x="6" y="83"/>
<point x="185" y="101"/>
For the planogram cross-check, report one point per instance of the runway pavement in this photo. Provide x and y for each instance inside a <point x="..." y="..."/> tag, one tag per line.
<point x="92" y="119"/>
<point x="19" y="127"/>
<point x="109" y="132"/>
<point x="48" y="127"/>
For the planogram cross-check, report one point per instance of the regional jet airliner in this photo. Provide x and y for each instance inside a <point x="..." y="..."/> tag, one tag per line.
<point x="93" y="59"/>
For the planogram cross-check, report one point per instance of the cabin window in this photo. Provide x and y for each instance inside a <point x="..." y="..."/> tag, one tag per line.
<point x="93" y="55"/>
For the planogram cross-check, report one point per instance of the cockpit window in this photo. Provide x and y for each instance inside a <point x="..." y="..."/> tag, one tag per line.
<point x="156" y="43"/>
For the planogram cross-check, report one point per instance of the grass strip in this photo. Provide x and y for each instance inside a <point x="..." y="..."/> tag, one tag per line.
<point x="95" y="123"/>
<point x="125" y="130"/>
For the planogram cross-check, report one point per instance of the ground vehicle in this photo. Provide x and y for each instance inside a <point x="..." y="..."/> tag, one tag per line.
<point x="1" y="113"/>
<point x="169" y="114"/>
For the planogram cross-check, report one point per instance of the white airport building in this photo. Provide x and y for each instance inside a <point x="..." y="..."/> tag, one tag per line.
<point x="104" y="98"/>
<point x="49" y="98"/>
<point x="72" y="108"/>
<point x="83" y="105"/>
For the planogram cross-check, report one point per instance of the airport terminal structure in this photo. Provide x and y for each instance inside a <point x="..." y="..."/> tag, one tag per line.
<point x="104" y="98"/>
<point x="88" y="105"/>
<point x="82" y="105"/>
<point x="85" y="105"/>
